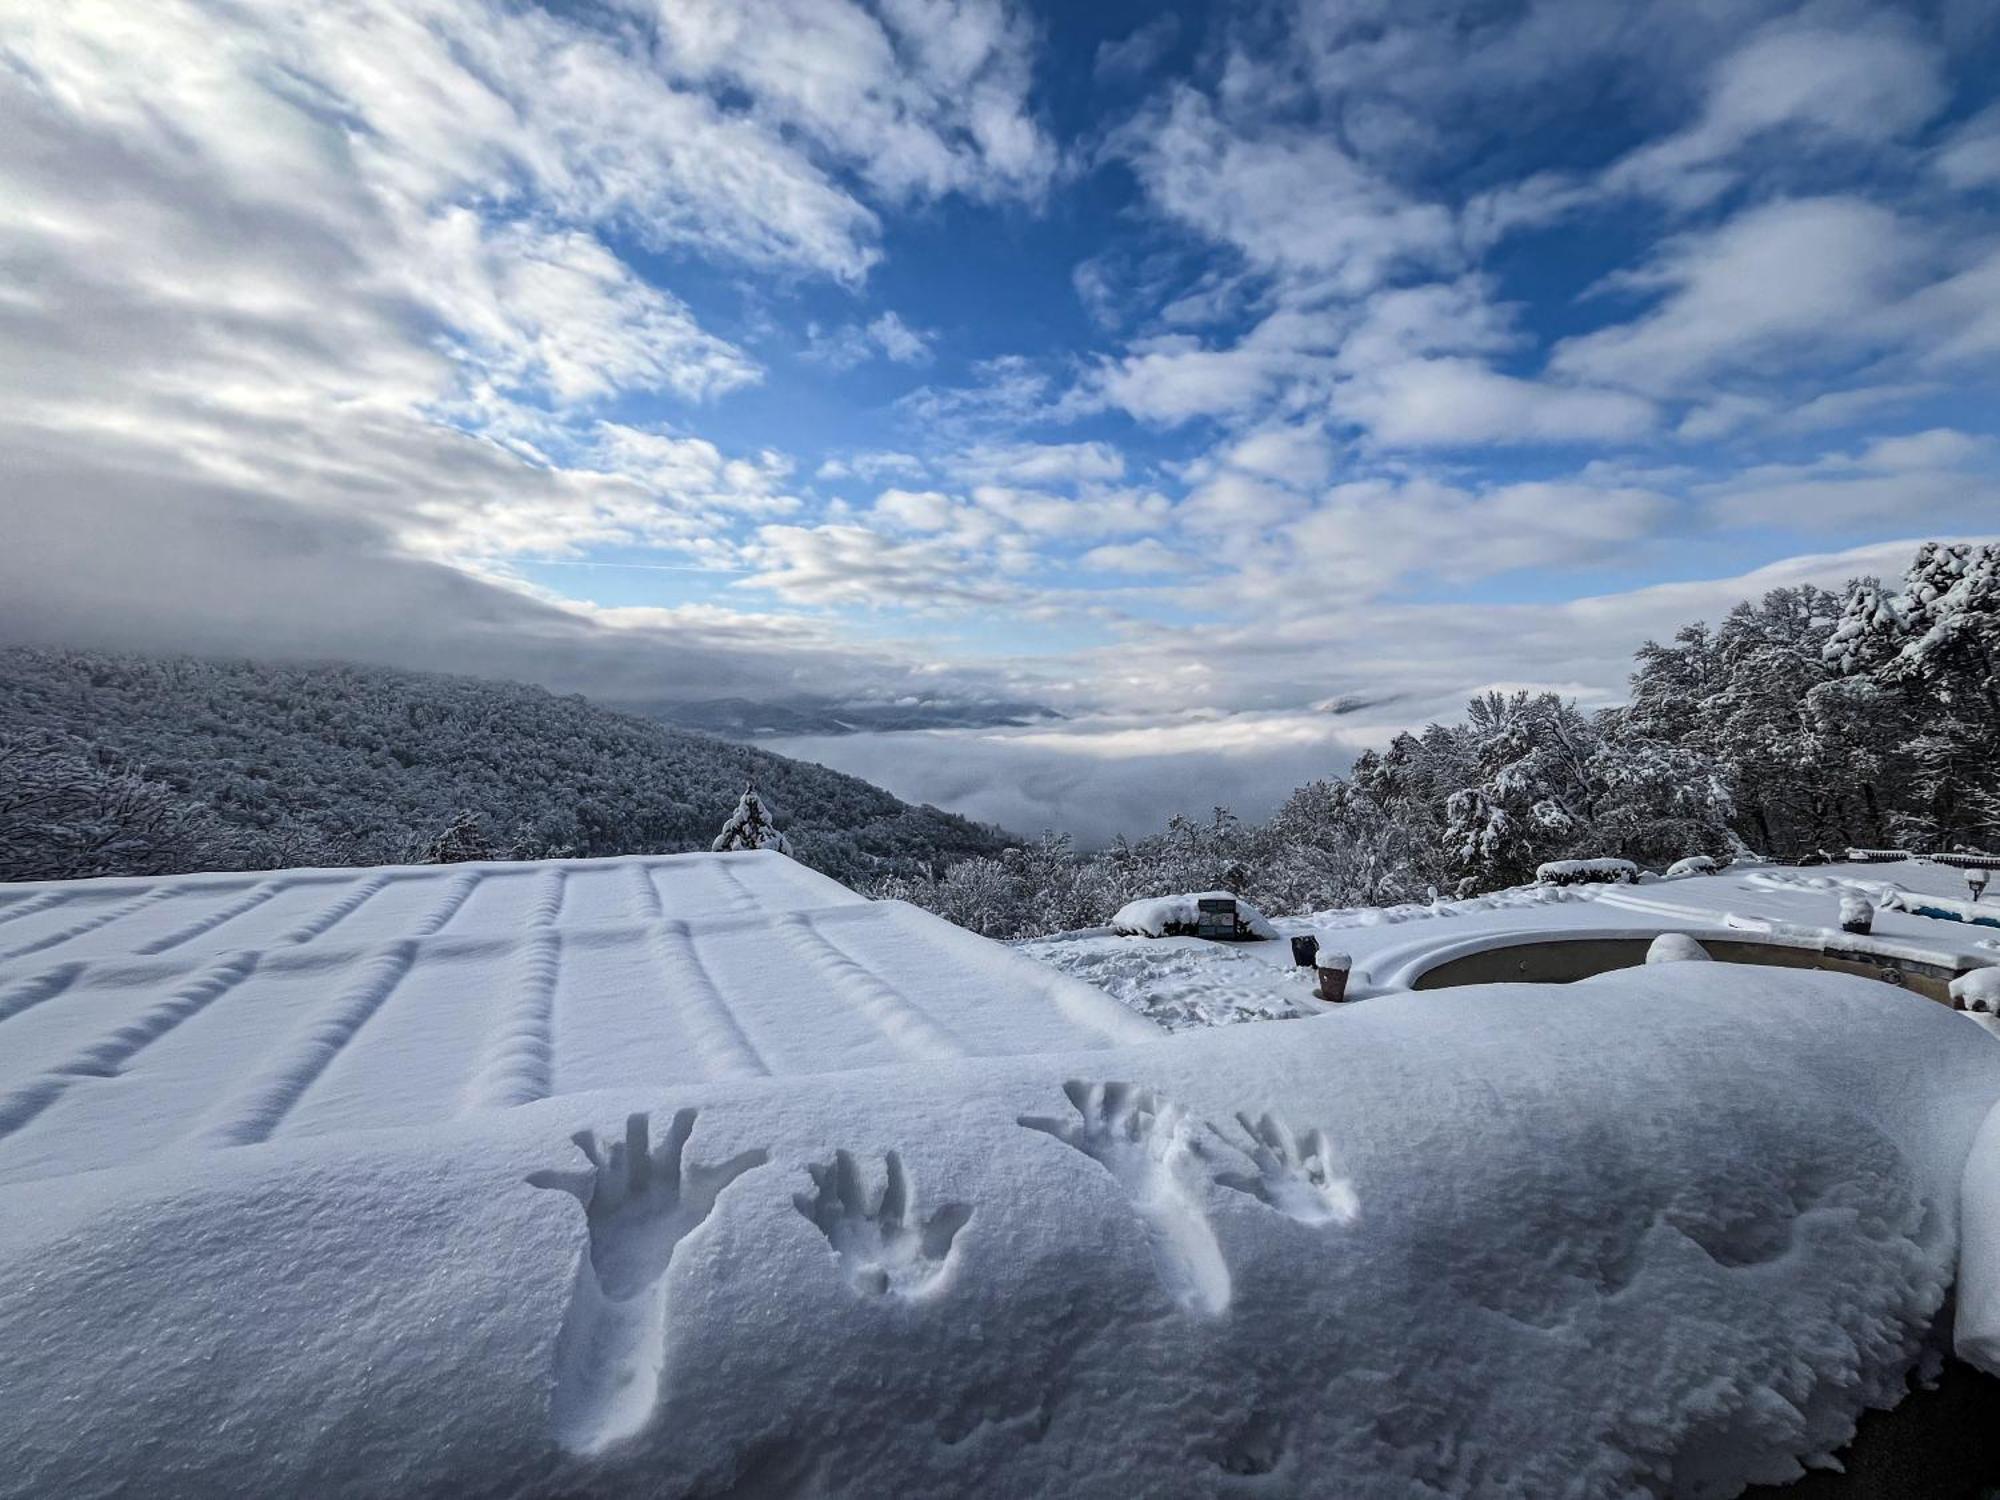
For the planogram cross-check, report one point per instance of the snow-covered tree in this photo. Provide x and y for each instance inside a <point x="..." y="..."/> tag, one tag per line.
<point x="750" y="827"/>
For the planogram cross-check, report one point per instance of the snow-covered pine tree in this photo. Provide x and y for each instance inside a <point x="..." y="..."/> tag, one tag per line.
<point x="750" y="827"/>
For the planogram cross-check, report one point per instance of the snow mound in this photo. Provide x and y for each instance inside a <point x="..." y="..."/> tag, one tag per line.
<point x="1675" y="947"/>
<point x="1180" y="916"/>
<point x="1423" y="1245"/>
<point x="1694" y="864"/>
<point x="1978" y="990"/>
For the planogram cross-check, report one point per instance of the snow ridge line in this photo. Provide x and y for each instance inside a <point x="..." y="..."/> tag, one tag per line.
<point x="256" y="1113"/>
<point x="550" y="886"/>
<point x="248" y="902"/>
<point x="40" y="901"/>
<point x="724" y="1047"/>
<point x="91" y="924"/>
<point x="745" y="898"/>
<point x="106" y="1057"/>
<point x="913" y="1032"/>
<point x="456" y="894"/>
<point x="44" y="986"/>
<point x="650" y="907"/>
<point x="518" y="1066"/>
<point x="342" y="909"/>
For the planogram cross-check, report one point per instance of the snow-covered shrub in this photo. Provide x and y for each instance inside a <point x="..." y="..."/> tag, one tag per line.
<point x="1694" y="864"/>
<point x="1587" y="872"/>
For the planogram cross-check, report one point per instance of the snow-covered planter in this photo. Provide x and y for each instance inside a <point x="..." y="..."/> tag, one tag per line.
<point x="1979" y="990"/>
<point x="1857" y="913"/>
<point x="1587" y="872"/>
<point x="1182" y="916"/>
<point x="1694" y="864"/>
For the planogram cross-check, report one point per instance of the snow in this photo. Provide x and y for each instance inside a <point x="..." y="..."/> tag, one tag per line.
<point x="227" y="1010"/>
<point x="1976" y="1334"/>
<point x="701" y="1175"/>
<point x="1694" y="864"/>
<point x="1674" y="948"/>
<point x="1978" y="990"/>
<point x="1679" y="1233"/>
<point x="1157" y="916"/>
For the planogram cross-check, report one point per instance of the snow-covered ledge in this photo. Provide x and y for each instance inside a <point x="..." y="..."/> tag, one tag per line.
<point x="1665" y="1229"/>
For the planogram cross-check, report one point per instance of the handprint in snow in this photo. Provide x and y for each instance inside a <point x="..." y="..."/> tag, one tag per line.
<point x="883" y="1249"/>
<point x="1296" y="1177"/>
<point x="1150" y="1146"/>
<point x="640" y="1204"/>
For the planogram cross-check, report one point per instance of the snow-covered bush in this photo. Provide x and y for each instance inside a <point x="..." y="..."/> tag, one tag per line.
<point x="1587" y="872"/>
<point x="1694" y="864"/>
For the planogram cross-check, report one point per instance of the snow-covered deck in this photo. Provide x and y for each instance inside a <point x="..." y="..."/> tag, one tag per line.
<point x="220" y="1010"/>
<point x="1183" y="981"/>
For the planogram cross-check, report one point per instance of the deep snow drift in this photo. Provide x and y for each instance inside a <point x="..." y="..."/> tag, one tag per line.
<point x="1666" y="1229"/>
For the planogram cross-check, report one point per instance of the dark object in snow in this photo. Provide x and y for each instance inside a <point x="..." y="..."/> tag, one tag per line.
<point x="1857" y="914"/>
<point x="1331" y="971"/>
<point x="1966" y="861"/>
<point x="1975" y="881"/>
<point x="1587" y="872"/>
<point x="1218" y="919"/>
<point x="1878" y="856"/>
<point x="1304" y="947"/>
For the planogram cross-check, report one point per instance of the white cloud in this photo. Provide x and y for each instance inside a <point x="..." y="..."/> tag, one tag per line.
<point x="1442" y="402"/>
<point x="1970" y="156"/>
<point x="1853" y="84"/>
<point x="1287" y="201"/>
<point x="850" y="344"/>
<point x="1148" y="556"/>
<point x="1769" y="286"/>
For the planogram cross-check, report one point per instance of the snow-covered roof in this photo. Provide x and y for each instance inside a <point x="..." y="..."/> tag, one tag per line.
<point x="215" y="1010"/>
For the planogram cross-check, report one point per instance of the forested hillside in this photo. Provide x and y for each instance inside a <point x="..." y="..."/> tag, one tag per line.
<point x="1804" y="720"/>
<point x="136" y="765"/>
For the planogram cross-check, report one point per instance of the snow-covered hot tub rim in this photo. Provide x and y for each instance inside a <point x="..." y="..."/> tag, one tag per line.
<point x="1402" y="968"/>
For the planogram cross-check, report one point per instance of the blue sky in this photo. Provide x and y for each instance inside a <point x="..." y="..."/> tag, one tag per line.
<point x="1181" y="368"/>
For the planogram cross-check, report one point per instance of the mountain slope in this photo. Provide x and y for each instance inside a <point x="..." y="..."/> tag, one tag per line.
<point x="251" y="764"/>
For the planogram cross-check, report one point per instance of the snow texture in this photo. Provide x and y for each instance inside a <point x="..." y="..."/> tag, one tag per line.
<point x="1162" y="916"/>
<point x="1675" y="947"/>
<point x="223" y="1011"/>
<point x="1663" y="1231"/>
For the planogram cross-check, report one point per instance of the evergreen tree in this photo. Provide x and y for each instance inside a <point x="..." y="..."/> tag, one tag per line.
<point x="750" y="827"/>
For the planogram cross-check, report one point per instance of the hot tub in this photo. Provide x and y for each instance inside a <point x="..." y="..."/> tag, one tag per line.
<point x="1538" y="958"/>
